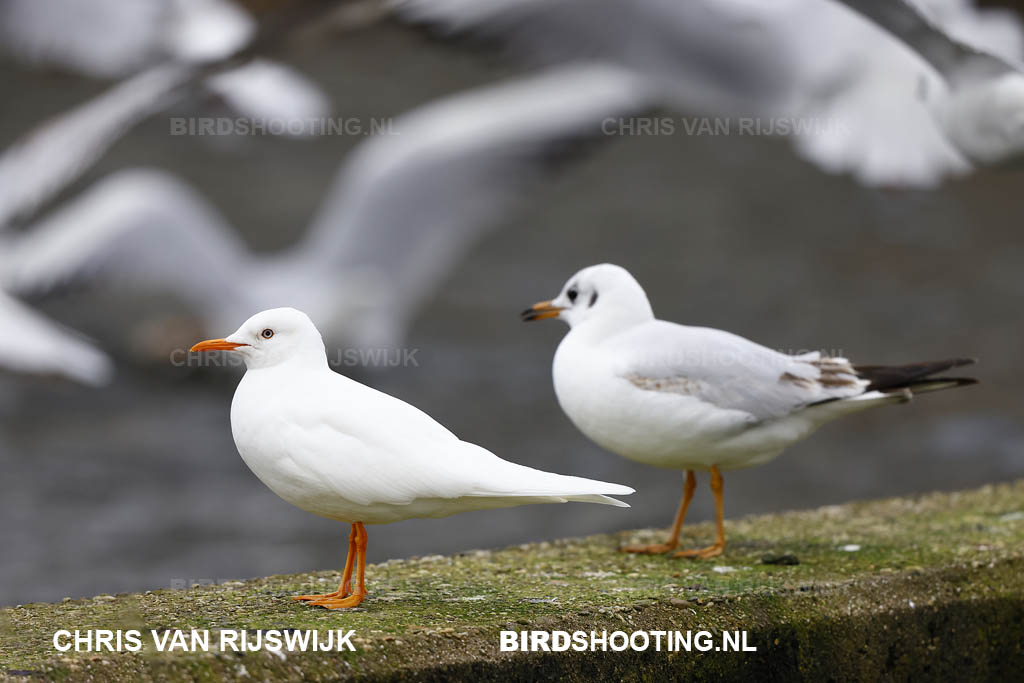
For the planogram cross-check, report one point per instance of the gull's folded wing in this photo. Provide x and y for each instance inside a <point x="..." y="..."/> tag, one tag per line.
<point x="727" y="371"/>
<point x="403" y="455"/>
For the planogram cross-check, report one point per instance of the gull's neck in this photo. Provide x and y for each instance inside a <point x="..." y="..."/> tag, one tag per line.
<point x="299" y="362"/>
<point x="610" y="323"/>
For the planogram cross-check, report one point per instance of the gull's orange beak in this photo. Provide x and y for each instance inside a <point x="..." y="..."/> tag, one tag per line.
<point x="540" y="311"/>
<point x="216" y="345"/>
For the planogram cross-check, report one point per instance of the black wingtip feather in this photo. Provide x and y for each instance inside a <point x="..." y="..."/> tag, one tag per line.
<point x="952" y="381"/>
<point x="890" y="377"/>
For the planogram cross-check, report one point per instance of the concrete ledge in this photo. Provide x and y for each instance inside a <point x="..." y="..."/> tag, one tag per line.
<point x="929" y="586"/>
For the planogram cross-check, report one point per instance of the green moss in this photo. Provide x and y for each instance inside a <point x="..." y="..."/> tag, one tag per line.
<point x="925" y="566"/>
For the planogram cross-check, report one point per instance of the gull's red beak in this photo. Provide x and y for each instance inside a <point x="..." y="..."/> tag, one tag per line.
<point x="216" y="345"/>
<point x="540" y="311"/>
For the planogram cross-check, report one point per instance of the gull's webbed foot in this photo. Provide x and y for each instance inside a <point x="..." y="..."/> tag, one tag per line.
<point x="340" y="603"/>
<point x="702" y="553"/>
<point x="652" y="549"/>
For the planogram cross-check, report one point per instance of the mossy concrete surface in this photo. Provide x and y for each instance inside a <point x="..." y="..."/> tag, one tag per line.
<point x="930" y="586"/>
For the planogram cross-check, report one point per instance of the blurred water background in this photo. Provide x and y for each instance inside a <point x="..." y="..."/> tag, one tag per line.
<point x="138" y="485"/>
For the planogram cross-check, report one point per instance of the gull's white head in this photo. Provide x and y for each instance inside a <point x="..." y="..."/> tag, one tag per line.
<point x="605" y="298"/>
<point x="280" y="335"/>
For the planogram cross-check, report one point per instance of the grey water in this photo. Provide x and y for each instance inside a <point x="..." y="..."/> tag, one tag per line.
<point x="138" y="485"/>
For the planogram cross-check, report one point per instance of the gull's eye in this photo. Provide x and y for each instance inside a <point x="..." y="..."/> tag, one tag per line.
<point x="267" y="333"/>
<point x="572" y="294"/>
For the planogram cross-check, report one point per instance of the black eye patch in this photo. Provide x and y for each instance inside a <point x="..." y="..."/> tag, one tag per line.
<point x="593" y="300"/>
<point x="572" y="294"/>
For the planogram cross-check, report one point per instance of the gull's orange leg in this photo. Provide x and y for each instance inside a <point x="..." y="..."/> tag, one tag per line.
<point x="673" y="538"/>
<point x="345" y="587"/>
<point x="718" y="546"/>
<point x="359" y="594"/>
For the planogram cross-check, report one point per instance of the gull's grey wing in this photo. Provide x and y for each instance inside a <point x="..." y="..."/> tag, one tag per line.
<point x="727" y="370"/>
<point x="138" y="227"/>
<point x="407" y="203"/>
<point x="911" y="22"/>
<point x="721" y="56"/>
<point x="33" y="344"/>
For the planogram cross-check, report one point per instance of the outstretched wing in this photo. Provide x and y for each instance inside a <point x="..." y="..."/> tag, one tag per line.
<point x="878" y="128"/>
<point x="137" y="227"/>
<point x="61" y="149"/>
<point x="102" y="38"/>
<point x="57" y="151"/>
<point x="33" y="344"/>
<point x="847" y="86"/>
<point x="410" y="200"/>
<point x="953" y="37"/>
<point x="728" y="371"/>
<point x="722" y="56"/>
<point x="266" y="91"/>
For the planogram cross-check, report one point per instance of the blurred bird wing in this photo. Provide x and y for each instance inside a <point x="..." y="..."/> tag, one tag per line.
<point x="726" y="370"/>
<point x="955" y="37"/>
<point x="717" y="56"/>
<point x="274" y="95"/>
<point x="880" y="130"/>
<point x="410" y="200"/>
<point x="112" y="38"/>
<point x="845" y="82"/>
<point x="207" y="30"/>
<point x="868" y="103"/>
<point x="55" y="153"/>
<point x="140" y="227"/>
<point x="101" y="38"/>
<point x="998" y="31"/>
<point x="31" y="343"/>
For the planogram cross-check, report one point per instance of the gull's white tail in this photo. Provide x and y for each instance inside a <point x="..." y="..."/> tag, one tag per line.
<point x="518" y="484"/>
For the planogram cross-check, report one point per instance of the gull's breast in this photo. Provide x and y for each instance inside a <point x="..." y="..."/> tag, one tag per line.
<point x="290" y="457"/>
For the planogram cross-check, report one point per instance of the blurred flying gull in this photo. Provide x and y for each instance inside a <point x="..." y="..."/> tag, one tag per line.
<point x="113" y="38"/>
<point x="166" y="50"/>
<point x="977" y="53"/>
<point x="32" y="344"/>
<point x="403" y="208"/>
<point x="877" y="100"/>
